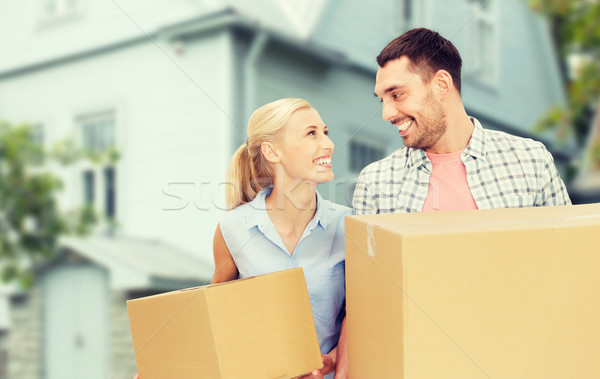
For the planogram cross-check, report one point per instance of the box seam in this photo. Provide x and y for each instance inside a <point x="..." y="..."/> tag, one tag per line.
<point x="212" y="331"/>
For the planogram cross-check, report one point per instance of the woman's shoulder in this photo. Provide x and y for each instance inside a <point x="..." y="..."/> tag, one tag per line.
<point x="240" y="212"/>
<point x="336" y="211"/>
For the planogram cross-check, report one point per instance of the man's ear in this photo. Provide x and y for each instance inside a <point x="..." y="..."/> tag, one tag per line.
<point x="269" y="152"/>
<point x="442" y="84"/>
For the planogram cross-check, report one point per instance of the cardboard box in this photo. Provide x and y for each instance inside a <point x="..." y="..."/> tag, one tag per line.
<point x="260" y="327"/>
<point x="510" y="293"/>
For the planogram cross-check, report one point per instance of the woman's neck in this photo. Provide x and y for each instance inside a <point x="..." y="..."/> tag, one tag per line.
<point x="292" y="204"/>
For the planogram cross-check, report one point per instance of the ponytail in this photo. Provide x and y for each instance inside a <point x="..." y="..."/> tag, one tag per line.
<point x="241" y="187"/>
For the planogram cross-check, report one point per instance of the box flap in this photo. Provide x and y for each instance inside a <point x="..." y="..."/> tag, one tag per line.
<point x="450" y="222"/>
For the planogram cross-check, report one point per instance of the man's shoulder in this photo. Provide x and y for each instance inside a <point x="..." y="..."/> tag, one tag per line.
<point x="498" y="142"/>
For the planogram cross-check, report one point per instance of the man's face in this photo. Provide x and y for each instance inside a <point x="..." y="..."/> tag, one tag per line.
<point x="410" y="105"/>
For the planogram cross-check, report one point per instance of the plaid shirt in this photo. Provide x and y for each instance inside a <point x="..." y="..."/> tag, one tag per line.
<point x="503" y="171"/>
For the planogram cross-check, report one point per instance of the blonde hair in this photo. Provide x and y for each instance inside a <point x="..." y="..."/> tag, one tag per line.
<point x="248" y="169"/>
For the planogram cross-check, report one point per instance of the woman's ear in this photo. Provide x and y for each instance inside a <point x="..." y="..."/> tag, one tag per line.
<point x="269" y="152"/>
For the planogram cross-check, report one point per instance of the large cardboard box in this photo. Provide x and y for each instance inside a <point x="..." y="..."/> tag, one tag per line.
<point x="260" y="327"/>
<point x="511" y="293"/>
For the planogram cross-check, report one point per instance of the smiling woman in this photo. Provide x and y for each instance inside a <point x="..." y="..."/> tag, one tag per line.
<point x="278" y="220"/>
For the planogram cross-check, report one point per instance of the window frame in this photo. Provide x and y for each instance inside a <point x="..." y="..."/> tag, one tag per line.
<point x="62" y="13"/>
<point x="104" y="198"/>
<point x="372" y="142"/>
<point x="478" y="58"/>
<point x="418" y="17"/>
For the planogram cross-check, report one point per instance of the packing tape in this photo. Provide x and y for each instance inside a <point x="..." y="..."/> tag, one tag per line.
<point x="370" y="240"/>
<point x="491" y="223"/>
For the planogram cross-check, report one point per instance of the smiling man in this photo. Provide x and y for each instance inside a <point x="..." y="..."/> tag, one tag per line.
<point x="449" y="161"/>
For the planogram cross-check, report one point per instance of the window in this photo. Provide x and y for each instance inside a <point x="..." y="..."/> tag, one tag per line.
<point x="409" y="14"/>
<point x="362" y="154"/>
<point x="58" y="9"/>
<point x="483" y="40"/>
<point x="99" y="181"/>
<point x="109" y="191"/>
<point x="37" y="134"/>
<point x="89" y="184"/>
<point x="98" y="133"/>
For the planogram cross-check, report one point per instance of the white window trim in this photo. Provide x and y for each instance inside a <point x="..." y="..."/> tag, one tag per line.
<point x="474" y="64"/>
<point x="421" y="12"/>
<point x="61" y="16"/>
<point x="84" y="165"/>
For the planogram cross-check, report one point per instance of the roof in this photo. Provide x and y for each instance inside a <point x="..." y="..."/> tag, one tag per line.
<point x="293" y="17"/>
<point x="140" y="263"/>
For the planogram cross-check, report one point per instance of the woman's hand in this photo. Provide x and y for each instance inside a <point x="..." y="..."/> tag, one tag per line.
<point x="136" y="376"/>
<point x="328" y="366"/>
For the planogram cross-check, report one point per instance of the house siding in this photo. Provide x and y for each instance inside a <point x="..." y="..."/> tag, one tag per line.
<point x="155" y="104"/>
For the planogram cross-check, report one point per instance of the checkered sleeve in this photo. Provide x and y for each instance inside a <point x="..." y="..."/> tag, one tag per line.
<point x="363" y="201"/>
<point x="554" y="191"/>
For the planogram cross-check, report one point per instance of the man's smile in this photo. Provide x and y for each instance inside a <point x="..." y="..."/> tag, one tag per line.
<point x="405" y="126"/>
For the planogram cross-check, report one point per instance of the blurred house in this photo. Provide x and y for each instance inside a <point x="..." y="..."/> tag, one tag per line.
<point x="170" y="84"/>
<point x="586" y="186"/>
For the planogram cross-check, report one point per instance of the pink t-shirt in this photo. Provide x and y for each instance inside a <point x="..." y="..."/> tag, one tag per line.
<point x="448" y="186"/>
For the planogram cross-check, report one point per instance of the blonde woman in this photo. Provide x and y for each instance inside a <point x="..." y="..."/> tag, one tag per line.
<point x="278" y="220"/>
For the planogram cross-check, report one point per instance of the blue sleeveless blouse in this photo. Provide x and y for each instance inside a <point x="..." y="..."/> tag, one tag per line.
<point x="257" y="249"/>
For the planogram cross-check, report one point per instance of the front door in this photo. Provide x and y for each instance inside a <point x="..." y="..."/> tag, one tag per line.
<point x="76" y="328"/>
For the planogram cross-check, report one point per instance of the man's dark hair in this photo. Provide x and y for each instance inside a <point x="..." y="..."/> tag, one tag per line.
<point x="427" y="51"/>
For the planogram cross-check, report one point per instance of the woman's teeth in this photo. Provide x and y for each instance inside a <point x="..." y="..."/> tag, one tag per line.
<point x="402" y="127"/>
<point x="322" y="162"/>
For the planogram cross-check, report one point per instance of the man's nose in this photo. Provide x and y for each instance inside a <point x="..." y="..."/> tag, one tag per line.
<point x="388" y="112"/>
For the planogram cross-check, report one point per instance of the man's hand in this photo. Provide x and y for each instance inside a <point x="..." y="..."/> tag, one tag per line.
<point x="328" y="366"/>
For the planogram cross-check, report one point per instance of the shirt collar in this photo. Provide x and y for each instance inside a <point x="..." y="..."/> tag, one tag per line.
<point x="416" y="158"/>
<point x="321" y="213"/>
<point x="258" y="215"/>
<point x="258" y="212"/>
<point x="475" y="148"/>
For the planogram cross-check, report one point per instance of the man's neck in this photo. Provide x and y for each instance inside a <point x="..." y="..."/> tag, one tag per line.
<point x="459" y="130"/>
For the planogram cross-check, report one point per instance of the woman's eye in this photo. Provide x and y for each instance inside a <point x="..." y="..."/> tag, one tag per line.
<point x="326" y="132"/>
<point x="311" y="133"/>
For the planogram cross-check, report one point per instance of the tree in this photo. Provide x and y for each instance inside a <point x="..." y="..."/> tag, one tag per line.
<point x="575" y="27"/>
<point x="30" y="219"/>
